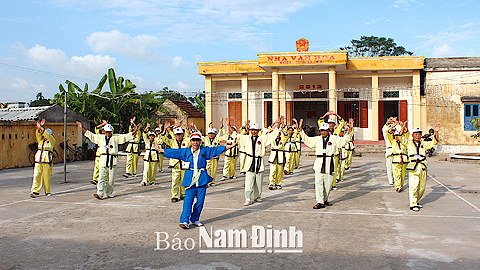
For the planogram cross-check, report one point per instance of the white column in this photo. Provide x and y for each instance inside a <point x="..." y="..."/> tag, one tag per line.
<point x="374" y="127"/>
<point x="208" y="99"/>
<point x="275" y="94"/>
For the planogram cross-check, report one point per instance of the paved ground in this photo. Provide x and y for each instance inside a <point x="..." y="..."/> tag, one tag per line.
<point x="369" y="226"/>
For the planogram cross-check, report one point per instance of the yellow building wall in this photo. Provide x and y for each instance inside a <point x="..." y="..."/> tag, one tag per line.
<point x="14" y="152"/>
<point x="443" y="104"/>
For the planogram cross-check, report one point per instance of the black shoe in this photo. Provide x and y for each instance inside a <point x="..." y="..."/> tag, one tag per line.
<point x="144" y="184"/>
<point x="93" y="182"/>
<point x="181" y="198"/>
<point x="318" y="206"/>
<point x="327" y="203"/>
<point x="271" y="187"/>
<point x="127" y="175"/>
<point x="174" y="200"/>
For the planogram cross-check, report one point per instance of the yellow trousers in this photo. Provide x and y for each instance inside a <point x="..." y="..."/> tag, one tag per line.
<point x="106" y="180"/>
<point x="342" y="163"/>
<point x="178" y="191"/>
<point x="96" y="169"/>
<point x="417" y="181"/>
<point x="323" y="185"/>
<point x="160" y="162"/>
<point x="335" y="165"/>
<point x="42" y="175"/>
<point x="149" y="171"/>
<point x="296" y="162"/>
<point x="229" y="166"/>
<point x="399" y="172"/>
<point x="290" y="161"/>
<point x="349" y="159"/>
<point x="276" y="174"/>
<point x="132" y="163"/>
<point x="212" y="168"/>
<point x="253" y="185"/>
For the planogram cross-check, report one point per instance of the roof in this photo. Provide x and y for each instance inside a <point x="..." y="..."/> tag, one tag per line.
<point x="22" y="114"/>
<point x="188" y="108"/>
<point x="454" y="63"/>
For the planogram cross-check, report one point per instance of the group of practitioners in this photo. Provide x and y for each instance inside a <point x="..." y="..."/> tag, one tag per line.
<point x="407" y="151"/>
<point x="194" y="158"/>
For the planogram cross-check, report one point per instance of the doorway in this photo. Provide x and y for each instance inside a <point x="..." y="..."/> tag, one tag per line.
<point x="387" y="109"/>
<point x="310" y="111"/>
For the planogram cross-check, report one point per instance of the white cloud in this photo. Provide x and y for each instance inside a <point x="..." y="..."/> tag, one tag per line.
<point x="88" y="66"/>
<point x="182" y="86"/>
<point x="191" y="21"/>
<point x="407" y="4"/>
<point x="179" y="62"/>
<point x="198" y="58"/>
<point x="135" y="79"/>
<point x="22" y="85"/>
<point x="432" y="41"/>
<point x="141" y="47"/>
<point x="443" y="51"/>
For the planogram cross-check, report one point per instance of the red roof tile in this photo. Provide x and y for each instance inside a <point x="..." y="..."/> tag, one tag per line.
<point x="189" y="109"/>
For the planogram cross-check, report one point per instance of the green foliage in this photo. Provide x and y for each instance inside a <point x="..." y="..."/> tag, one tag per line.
<point x="172" y="95"/>
<point x="116" y="105"/>
<point x="476" y="124"/>
<point x="375" y="47"/>
<point x="40" y="101"/>
<point x="198" y="101"/>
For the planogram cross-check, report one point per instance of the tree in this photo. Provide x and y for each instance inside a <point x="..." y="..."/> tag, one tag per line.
<point x="198" y="101"/>
<point x="40" y="101"/>
<point x="165" y="93"/>
<point x="374" y="47"/>
<point x="116" y="106"/>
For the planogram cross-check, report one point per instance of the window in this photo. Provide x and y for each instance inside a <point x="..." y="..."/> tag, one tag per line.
<point x="313" y="94"/>
<point x="28" y="136"/>
<point x="234" y="95"/>
<point x="3" y="136"/>
<point x="73" y="133"/>
<point x="267" y="95"/>
<point x="350" y="95"/>
<point x="16" y="136"/>
<point x="391" y="94"/>
<point x="471" y="112"/>
<point x="351" y="110"/>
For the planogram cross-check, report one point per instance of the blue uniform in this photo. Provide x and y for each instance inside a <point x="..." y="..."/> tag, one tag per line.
<point x="199" y="189"/>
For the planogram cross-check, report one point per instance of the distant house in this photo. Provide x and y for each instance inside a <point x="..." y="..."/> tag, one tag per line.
<point x="453" y="98"/>
<point x="17" y="131"/>
<point x="178" y="111"/>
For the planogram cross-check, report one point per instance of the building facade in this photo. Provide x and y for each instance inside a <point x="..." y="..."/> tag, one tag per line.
<point x="17" y="131"/>
<point x="452" y="87"/>
<point x="306" y="84"/>
<point x="178" y="111"/>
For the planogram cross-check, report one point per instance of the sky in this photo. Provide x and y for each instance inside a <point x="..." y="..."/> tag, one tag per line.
<point x="158" y="43"/>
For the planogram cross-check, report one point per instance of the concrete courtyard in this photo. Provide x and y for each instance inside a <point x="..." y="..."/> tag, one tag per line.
<point x="369" y="225"/>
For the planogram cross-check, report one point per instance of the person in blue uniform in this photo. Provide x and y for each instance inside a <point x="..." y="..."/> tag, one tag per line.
<point x="195" y="180"/>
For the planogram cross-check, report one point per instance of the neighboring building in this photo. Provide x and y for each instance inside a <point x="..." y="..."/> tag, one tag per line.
<point x="452" y="87"/>
<point x="297" y="85"/>
<point x="178" y="111"/>
<point x="17" y="131"/>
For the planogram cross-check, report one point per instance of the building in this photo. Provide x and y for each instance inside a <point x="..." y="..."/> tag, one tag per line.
<point x="452" y="87"/>
<point x="307" y="84"/>
<point x="17" y="131"/>
<point x="178" y="111"/>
